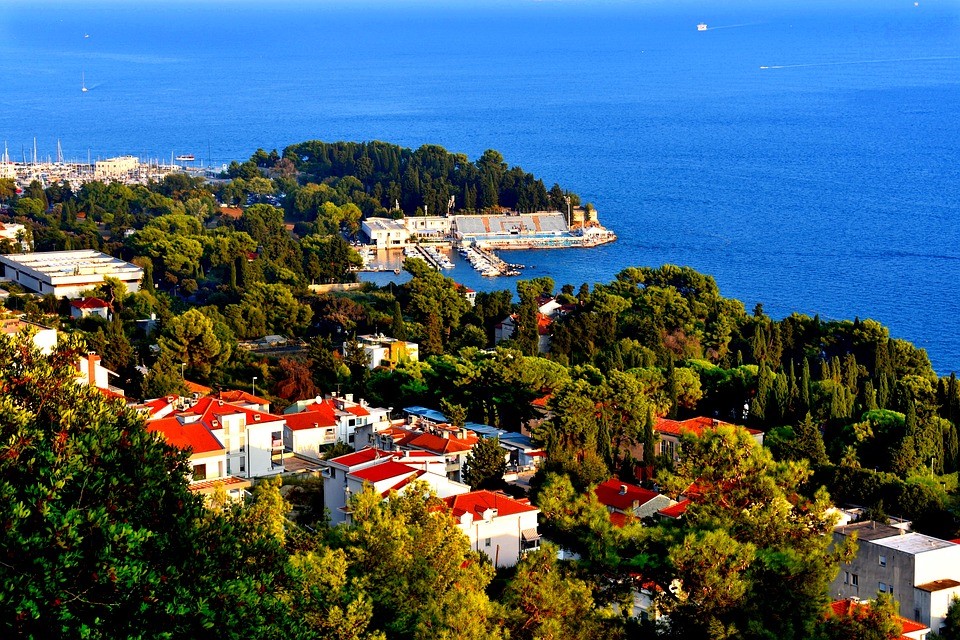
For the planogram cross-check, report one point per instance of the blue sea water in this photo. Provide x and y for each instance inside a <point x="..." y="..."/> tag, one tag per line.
<point x="807" y="155"/>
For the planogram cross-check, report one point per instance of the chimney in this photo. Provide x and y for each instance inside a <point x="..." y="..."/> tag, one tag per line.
<point x="715" y="422"/>
<point x="92" y="360"/>
<point x="256" y="417"/>
<point x="623" y="489"/>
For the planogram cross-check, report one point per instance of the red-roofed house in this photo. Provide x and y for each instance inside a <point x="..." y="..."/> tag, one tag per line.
<point x="252" y="439"/>
<point x="91" y="372"/>
<point x="334" y="419"/>
<point x="669" y="432"/>
<point x="625" y="501"/>
<point x="386" y="471"/>
<point x="90" y="307"/>
<point x="911" y="630"/>
<point x="501" y="527"/>
<point x="244" y="399"/>
<point x="675" y="511"/>
<point x="207" y="457"/>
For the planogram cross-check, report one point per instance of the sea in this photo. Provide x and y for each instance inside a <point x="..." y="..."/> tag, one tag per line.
<point x="806" y="155"/>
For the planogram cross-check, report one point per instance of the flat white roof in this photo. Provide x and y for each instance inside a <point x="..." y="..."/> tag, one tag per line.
<point x="54" y="264"/>
<point x="914" y="543"/>
<point x="384" y="224"/>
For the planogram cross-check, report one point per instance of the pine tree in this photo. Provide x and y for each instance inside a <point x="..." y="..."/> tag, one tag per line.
<point x="485" y="465"/>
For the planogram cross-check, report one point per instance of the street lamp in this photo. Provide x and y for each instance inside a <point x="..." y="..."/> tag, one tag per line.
<point x="254" y="385"/>
<point x="182" y="366"/>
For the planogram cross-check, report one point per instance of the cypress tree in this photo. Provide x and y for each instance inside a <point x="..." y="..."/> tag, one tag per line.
<point x="671" y="388"/>
<point x="805" y="386"/>
<point x="953" y="399"/>
<point x="399" y="328"/>
<point x="649" y="440"/>
<point x="883" y="392"/>
<point x="810" y="442"/>
<point x="781" y="397"/>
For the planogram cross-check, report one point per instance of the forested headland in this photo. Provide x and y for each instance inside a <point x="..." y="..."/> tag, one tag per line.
<point x="103" y="539"/>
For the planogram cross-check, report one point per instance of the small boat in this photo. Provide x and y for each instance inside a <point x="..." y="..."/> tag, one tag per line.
<point x="83" y="83"/>
<point x="702" y="26"/>
<point x="188" y="157"/>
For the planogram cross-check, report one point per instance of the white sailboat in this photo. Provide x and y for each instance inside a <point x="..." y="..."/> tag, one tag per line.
<point x="83" y="83"/>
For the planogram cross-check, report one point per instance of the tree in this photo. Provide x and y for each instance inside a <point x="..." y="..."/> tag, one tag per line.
<point x="486" y="465"/>
<point x="163" y="378"/>
<point x="191" y="339"/>
<point x="877" y="620"/>
<point x="767" y="542"/>
<point x="456" y="414"/>
<point x="422" y="579"/>
<point x="951" y="624"/>
<point x="547" y="600"/>
<point x="398" y="328"/>
<point x="99" y="524"/>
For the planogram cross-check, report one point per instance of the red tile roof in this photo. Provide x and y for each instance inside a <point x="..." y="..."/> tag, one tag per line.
<point x="476" y="502"/>
<point x="621" y="496"/>
<point x="403" y="483"/>
<point x="195" y="387"/>
<point x="210" y="408"/>
<point x="676" y="510"/>
<point x="360" y="457"/>
<point x="383" y="471"/>
<point x="192" y="435"/>
<point x="236" y="395"/>
<point x="848" y="607"/>
<point x="90" y="303"/>
<point x="231" y="212"/>
<point x="308" y="420"/>
<point x="542" y="401"/>
<point x="357" y="410"/>
<point x="695" y="426"/>
<point x="230" y="482"/>
<point x="436" y="444"/>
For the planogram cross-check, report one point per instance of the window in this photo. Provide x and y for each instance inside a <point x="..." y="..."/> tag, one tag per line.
<point x="243" y="465"/>
<point x="854" y="579"/>
<point x="846" y="577"/>
<point x="486" y="542"/>
<point x="916" y="615"/>
<point x="199" y="472"/>
<point x="883" y="587"/>
<point x="883" y="561"/>
<point x="228" y="466"/>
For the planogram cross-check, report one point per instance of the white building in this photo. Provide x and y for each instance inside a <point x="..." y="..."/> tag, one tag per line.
<point x="428" y="227"/>
<point x="384" y="351"/>
<point x="385" y="233"/>
<point x="252" y="440"/>
<point x="66" y="274"/>
<point x="496" y="524"/>
<point x="15" y="233"/>
<point x="90" y="307"/>
<point x="919" y="571"/>
<point x="116" y="168"/>
<point x="208" y="465"/>
<point x="345" y="476"/>
<point x="318" y="422"/>
<point x="44" y="338"/>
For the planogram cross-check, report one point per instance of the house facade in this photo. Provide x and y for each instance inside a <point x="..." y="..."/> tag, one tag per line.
<point x="252" y="440"/>
<point x="669" y="431"/>
<point x="497" y="525"/>
<point x="918" y="570"/>
<point x="345" y="476"/>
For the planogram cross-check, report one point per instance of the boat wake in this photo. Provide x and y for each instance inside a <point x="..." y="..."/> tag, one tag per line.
<point x="834" y="64"/>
